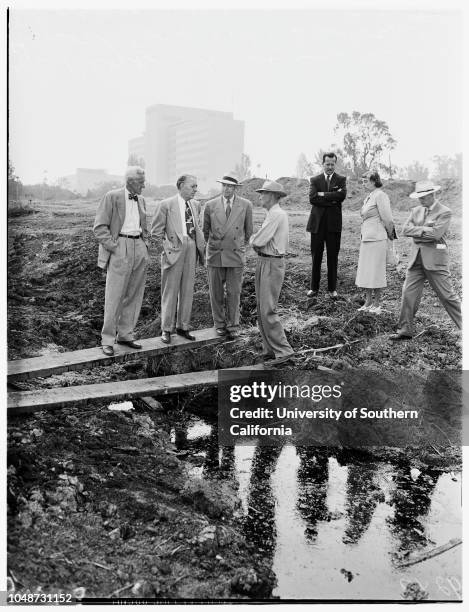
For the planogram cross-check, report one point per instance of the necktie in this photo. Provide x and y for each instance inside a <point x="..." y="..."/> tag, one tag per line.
<point x="228" y="208"/>
<point x="328" y="183"/>
<point x="133" y="197"/>
<point x="190" y="228"/>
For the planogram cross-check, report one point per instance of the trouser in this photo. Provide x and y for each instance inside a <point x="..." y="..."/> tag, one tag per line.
<point x="177" y="287"/>
<point x="270" y="273"/>
<point x="125" y="285"/>
<point x="218" y="280"/>
<point x="332" y="242"/>
<point x="412" y="290"/>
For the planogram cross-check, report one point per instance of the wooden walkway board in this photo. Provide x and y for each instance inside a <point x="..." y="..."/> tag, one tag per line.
<point x="31" y="401"/>
<point x="22" y="369"/>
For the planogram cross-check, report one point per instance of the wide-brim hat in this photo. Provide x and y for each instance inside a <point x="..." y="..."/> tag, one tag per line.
<point x="229" y="180"/>
<point x="272" y="187"/>
<point x="423" y="188"/>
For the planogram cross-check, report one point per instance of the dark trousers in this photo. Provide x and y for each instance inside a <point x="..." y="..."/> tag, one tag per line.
<point x="332" y="242"/>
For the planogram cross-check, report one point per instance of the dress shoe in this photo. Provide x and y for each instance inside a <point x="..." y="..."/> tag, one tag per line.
<point x="375" y="309"/>
<point x="108" y="350"/>
<point x="221" y="331"/>
<point x="283" y="359"/>
<point x="364" y="308"/>
<point x="267" y="356"/>
<point x="130" y="343"/>
<point x="185" y="333"/>
<point x="333" y="294"/>
<point x="166" y="337"/>
<point x="312" y="293"/>
<point x="231" y="335"/>
<point x="399" y="336"/>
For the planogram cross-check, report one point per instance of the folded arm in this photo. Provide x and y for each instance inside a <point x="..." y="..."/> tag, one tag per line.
<point x="328" y="198"/>
<point x="265" y="234"/>
<point x="427" y="233"/>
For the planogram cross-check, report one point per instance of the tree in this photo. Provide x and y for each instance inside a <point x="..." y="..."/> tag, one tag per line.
<point x="304" y="168"/>
<point x="243" y="170"/>
<point x="415" y="171"/>
<point x="136" y="160"/>
<point x="15" y="187"/>
<point x="364" y="140"/>
<point x="447" y="167"/>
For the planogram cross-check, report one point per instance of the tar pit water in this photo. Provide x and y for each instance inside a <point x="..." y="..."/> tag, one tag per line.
<point x="334" y="526"/>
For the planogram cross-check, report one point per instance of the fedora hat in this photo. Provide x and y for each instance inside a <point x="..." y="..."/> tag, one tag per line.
<point x="272" y="187"/>
<point x="423" y="188"/>
<point x="229" y="180"/>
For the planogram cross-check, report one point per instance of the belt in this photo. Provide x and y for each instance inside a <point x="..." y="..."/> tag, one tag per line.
<point x="274" y="256"/>
<point x="130" y="236"/>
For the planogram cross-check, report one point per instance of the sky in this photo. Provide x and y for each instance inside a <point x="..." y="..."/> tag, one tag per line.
<point x="79" y="81"/>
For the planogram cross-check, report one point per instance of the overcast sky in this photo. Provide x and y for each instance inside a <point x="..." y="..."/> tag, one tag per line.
<point x="80" y="80"/>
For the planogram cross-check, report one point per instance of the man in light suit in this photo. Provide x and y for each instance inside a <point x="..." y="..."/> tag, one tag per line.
<point x="175" y="226"/>
<point x="227" y="229"/>
<point x="428" y="225"/>
<point x="326" y="194"/>
<point x="121" y="228"/>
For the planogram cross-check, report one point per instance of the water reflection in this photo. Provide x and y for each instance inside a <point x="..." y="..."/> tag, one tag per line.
<point x="313" y="477"/>
<point x="362" y="496"/>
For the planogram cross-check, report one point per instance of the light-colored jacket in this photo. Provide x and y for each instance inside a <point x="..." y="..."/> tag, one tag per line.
<point x="109" y="220"/>
<point x="377" y="218"/>
<point x="227" y="238"/>
<point x="429" y="239"/>
<point x="166" y="228"/>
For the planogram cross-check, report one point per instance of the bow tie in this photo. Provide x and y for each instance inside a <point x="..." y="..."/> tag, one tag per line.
<point x="133" y="197"/>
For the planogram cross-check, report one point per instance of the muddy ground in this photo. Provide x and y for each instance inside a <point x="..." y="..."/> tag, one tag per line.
<point x="102" y="500"/>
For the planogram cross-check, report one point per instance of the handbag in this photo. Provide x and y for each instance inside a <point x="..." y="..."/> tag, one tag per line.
<point x="392" y="256"/>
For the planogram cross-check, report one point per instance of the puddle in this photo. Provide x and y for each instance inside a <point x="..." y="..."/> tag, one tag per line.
<point x="334" y="528"/>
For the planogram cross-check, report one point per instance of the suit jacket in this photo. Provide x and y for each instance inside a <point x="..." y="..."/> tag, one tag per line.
<point x="429" y="239"/>
<point x="109" y="220"/>
<point x="227" y="238"/>
<point x="377" y="217"/>
<point x="166" y="228"/>
<point x="329" y="205"/>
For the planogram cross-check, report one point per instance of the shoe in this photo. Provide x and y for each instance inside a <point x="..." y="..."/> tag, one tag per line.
<point x="267" y="356"/>
<point x="333" y="294"/>
<point x="312" y="293"/>
<point x="108" y="350"/>
<point x="283" y="359"/>
<point x="185" y="333"/>
<point x="130" y="343"/>
<point x="221" y="331"/>
<point x="364" y="308"/>
<point x="375" y="309"/>
<point x="166" y="337"/>
<point x="231" y="335"/>
<point x="399" y="336"/>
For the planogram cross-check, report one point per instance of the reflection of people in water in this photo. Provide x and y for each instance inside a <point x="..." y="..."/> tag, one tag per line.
<point x="259" y="524"/>
<point x="411" y="500"/>
<point x="362" y="496"/>
<point x="219" y="460"/>
<point x="313" y="475"/>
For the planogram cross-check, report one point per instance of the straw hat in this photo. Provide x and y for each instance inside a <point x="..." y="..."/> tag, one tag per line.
<point x="423" y="188"/>
<point x="272" y="187"/>
<point x="229" y="180"/>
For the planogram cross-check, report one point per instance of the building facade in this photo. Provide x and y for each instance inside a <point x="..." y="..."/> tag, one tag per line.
<point x="179" y="140"/>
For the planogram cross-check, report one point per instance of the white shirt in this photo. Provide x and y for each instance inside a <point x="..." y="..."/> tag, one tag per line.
<point x="326" y="176"/>
<point x="182" y="210"/>
<point x="131" y="223"/>
<point x="272" y="238"/>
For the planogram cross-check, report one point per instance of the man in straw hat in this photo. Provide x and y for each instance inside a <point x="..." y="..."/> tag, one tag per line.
<point x="271" y="244"/>
<point x="428" y="226"/>
<point x="121" y="229"/>
<point x="227" y="228"/>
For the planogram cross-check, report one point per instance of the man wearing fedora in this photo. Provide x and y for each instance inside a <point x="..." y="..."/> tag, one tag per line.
<point x="121" y="229"/>
<point x="175" y="226"/>
<point x="326" y="194"/>
<point x="428" y="226"/>
<point x="271" y="245"/>
<point x="227" y="228"/>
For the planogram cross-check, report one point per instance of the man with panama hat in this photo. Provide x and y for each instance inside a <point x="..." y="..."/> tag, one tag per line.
<point x="227" y="228"/>
<point x="271" y="244"/>
<point x="428" y="225"/>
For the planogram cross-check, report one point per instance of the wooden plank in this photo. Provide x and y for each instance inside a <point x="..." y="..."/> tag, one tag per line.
<point x="21" y="402"/>
<point x="22" y="369"/>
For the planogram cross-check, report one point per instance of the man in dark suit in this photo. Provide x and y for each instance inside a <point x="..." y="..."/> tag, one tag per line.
<point x="326" y="194"/>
